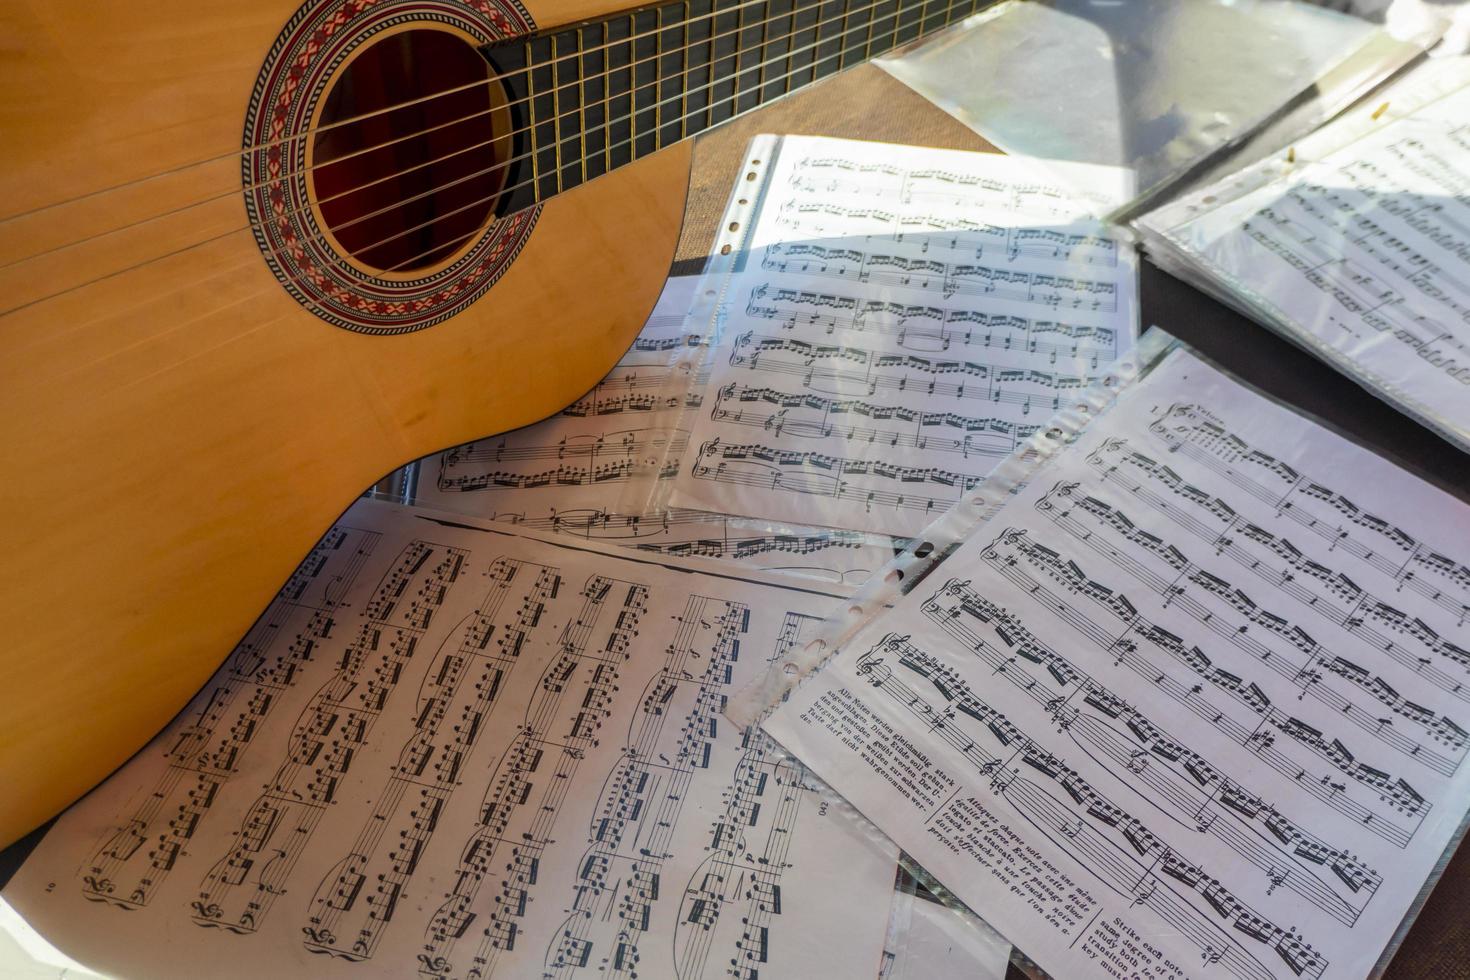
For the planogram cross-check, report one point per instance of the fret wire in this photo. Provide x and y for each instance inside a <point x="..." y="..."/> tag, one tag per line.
<point x="607" y="77"/>
<point x="612" y="98"/>
<point x="874" y="42"/>
<point x="700" y="91"/>
<point x="841" y="6"/>
<point x="633" y="84"/>
<point x="607" y="84"/>
<point x="657" y="85"/>
<point x="790" y="47"/>
<point x="760" y="79"/>
<point x="667" y="68"/>
<point x="688" y="103"/>
<point x="556" y="120"/>
<point x="847" y="49"/>
<point x="316" y="130"/>
<point x="899" y="23"/>
<point x="531" y="114"/>
<point x="561" y="116"/>
<point x="638" y="52"/>
<point x="760" y="54"/>
<point x="788" y="55"/>
<point x="555" y="123"/>
<point x="626" y="97"/>
<point x="739" y="48"/>
<point x="763" y="51"/>
<point x="816" y="29"/>
<point x="717" y="60"/>
<point x="856" y="43"/>
<point x="547" y="154"/>
<point x="684" y="76"/>
<point x="817" y="57"/>
<point x="581" y="107"/>
<point x="793" y="66"/>
<point x="900" y="20"/>
<point x="827" y="5"/>
<point x="801" y="69"/>
<point x="709" y="114"/>
<point x="726" y="60"/>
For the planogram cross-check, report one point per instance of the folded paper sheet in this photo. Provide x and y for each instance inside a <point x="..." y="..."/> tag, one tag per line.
<point x="1194" y="702"/>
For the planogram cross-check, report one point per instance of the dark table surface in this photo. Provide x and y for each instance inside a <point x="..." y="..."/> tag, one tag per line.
<point x="865" y="103"/>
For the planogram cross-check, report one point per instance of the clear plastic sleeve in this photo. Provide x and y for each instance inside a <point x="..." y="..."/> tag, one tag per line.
<point x="1351" y="244"/>
<point x="1170" y="86"/>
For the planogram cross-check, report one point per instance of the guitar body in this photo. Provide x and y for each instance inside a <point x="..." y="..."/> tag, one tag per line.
<point x="257" y="254"/>
<point x="182" y="416"/>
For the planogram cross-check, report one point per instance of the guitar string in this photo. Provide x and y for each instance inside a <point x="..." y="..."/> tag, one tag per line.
<point x="553" y="93"/>
<point x="438" y="248"/>
<point x="682" y="25"/>
<point x="453" y="242"/>
<point x="355" y="119"/>
<point x="321" y="239"/>
<point x="351" y="120"/>
<point x="683" y="95"/>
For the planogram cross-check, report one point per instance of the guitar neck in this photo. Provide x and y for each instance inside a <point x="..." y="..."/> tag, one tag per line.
<point x="595" y="96"/>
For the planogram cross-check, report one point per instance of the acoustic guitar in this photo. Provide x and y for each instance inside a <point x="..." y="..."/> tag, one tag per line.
<point x="255" y="254"/>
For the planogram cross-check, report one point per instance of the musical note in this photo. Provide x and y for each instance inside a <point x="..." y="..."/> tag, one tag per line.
<point x="470" y="738"/>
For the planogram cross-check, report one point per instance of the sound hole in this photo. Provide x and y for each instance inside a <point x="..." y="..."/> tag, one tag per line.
<point x="405" y="166"/>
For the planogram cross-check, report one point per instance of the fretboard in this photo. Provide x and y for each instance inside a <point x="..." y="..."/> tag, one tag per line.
<point x="596" y="96"/>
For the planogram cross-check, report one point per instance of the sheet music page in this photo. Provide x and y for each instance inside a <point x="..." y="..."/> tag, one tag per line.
<point x="450" y="751"/>
<point x="903" y="318"/>
<point x="1365" y="250"/>
<point x="564" y="475"/>
<point x="1193" y="703"/>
